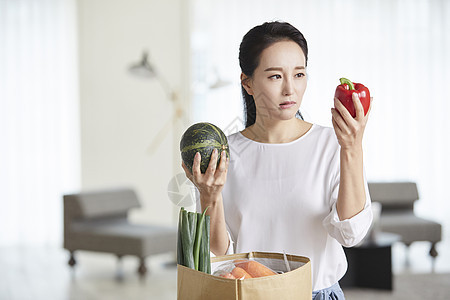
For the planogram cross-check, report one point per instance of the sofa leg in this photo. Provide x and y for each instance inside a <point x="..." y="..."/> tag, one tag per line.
<point x="433" y="254"/>
<point x="72" y="260"/>
<point x="119" y="271"/>
<point x="433" y="251"/>
<point x="407" y="260"/>
<point x="142" y="270"/>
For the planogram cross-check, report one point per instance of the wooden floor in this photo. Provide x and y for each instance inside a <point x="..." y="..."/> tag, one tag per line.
<point x="42" y="273"/>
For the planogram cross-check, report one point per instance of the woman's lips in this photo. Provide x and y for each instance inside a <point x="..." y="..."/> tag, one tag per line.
<point x="287" y="104"/>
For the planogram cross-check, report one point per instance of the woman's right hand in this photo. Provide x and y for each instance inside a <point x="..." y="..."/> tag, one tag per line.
<point x="209" y="184"/>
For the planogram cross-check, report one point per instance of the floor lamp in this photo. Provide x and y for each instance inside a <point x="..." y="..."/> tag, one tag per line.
<point x="145" y="69"/>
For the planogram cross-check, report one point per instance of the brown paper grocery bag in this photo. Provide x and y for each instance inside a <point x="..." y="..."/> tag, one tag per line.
<point x="296" y="284"/>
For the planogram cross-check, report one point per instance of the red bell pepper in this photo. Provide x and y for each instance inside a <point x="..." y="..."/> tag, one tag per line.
<point x="344" y="93"/>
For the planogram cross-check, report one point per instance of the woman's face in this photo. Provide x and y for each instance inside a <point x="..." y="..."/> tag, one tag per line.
<point x="279" y="81"/>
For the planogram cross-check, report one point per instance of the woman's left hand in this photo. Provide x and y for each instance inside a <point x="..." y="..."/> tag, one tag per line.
<point x="349" y="130"/>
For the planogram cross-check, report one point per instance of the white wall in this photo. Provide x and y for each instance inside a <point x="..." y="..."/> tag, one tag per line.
<point x="39" y="130"/>
<point x="399" y="49"/>
<point x="121" y="114"/>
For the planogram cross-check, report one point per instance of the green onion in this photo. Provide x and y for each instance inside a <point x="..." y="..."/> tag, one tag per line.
<point x="193" y="249"/>
<point x="179" y="239"/>
<point x="198" y="238"/>
<point x="188" y="226"/>
<point x="206" y="255"/>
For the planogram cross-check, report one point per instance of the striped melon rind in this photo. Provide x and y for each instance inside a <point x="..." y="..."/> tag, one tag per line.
<point x="204" y="138"/>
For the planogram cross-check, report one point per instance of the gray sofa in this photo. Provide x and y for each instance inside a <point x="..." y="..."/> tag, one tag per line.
<point x="397" y="214"/>
<point x="97" y="221"/>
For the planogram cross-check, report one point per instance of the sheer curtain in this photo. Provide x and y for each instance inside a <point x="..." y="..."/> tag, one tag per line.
<point x="399" y="49"/>
<point x="39" y="143"/>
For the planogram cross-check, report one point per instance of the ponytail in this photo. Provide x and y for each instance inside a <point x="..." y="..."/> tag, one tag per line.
<point x="249" y="108"/>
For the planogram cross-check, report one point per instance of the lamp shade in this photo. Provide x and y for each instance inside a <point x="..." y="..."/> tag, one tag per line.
<point x="143" y="68"/>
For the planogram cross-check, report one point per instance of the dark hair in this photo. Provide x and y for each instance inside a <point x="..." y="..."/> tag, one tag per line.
<point x="253" y="44"/>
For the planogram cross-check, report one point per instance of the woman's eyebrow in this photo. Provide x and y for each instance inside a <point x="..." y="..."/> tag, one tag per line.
<point x="281" y="69"/>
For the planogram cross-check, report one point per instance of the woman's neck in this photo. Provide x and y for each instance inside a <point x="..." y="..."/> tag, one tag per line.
<point x="276" y="132"/>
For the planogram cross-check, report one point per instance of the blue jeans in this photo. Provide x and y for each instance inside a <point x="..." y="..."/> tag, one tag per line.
<point x="334" y="292"/>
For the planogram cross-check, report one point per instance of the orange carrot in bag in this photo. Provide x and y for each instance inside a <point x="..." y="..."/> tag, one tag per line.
<point x="227" y="275"/>
<point x="240" y="273"/>
<point x="254" y="268"/>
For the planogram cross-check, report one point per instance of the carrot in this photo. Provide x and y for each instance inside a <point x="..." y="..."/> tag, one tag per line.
<point x="254" y="268"/>
<point x="240" y="273"/>
<point x="227" y="275"/>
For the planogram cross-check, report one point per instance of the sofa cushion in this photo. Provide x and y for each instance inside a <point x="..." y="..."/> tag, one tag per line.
<point x="411" y="227"/>
<point x="121" y="237"/>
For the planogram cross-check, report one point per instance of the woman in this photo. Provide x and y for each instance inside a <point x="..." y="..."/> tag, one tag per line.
<point x="290" y="185"/>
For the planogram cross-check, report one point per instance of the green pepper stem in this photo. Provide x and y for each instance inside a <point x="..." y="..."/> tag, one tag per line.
<point x="350" y="84"/>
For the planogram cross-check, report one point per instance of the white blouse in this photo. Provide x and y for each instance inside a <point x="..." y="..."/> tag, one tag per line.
<point x="282" y="197"/>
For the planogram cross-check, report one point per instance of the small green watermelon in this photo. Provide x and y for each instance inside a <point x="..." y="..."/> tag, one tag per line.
<point x="204" y="138"/>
